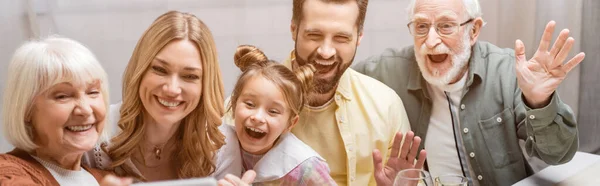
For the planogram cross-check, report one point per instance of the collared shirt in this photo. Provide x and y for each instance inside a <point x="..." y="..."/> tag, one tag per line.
<point x="288" y="162"/>
<point x="367" y="117"/>
<point x="492" y="115"/>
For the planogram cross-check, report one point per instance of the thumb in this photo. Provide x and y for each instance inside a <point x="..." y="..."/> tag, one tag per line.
<point x="249" y="176"/>
<point x="520" y="51"/>
<point x="377" y="160"/>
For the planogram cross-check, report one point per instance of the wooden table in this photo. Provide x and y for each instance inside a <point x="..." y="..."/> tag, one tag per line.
<point x="583" y="169"/>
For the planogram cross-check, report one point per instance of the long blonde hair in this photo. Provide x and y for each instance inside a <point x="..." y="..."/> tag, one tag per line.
<point x="198" y="133"/>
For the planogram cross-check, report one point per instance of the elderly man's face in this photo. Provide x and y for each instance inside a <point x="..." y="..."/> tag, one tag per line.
<point x="441" y="57"/>
<point x="68" y="119"/>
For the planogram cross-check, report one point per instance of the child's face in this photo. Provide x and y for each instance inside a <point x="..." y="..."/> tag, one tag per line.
<point x="261" y="115"/>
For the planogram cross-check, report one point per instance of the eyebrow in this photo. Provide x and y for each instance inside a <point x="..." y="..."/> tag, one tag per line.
<point x="447" y="15"/>
<point x="188" y="68"/>
<point x="343" y="33"/>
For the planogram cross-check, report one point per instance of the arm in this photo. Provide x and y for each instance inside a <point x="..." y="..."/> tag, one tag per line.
<point x="552" y="133"/>
<point x="548" y="125"/>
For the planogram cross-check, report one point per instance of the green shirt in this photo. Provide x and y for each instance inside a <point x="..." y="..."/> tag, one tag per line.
<point x="491" y="108"/>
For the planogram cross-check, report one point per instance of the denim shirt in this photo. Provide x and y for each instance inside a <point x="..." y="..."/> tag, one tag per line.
<point x="492" y="114"/>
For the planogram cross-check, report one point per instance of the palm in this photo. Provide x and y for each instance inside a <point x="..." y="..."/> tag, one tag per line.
<point x="399" y="159"/>
<point x="539" y="77"/>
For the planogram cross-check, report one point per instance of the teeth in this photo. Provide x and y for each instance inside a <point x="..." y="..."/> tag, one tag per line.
<point x="167" y="103"/>
<point x="255" y="130"/>
<point x="325" y="63"/>
<point x="79" y="128"/>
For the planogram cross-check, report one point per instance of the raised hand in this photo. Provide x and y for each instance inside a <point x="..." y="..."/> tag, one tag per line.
<point x="539" y="77"/>
<point x="384" y="175"/>
<point x="231" y="180"/>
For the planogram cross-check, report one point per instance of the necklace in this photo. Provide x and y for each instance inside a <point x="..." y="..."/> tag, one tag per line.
<point x="157" y="151"/>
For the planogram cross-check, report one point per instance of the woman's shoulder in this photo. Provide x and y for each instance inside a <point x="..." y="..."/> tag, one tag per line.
<point x="17" y="171"/>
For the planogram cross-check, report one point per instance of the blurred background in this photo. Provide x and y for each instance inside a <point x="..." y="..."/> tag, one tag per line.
<point x="111" y="28"/>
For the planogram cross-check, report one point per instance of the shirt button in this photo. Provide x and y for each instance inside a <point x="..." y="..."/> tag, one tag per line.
<point x="531" y="138"/>
<point x="352" y="178"/>
<point x="480" y="177"/>
<point x="531" y="117"/>
<point x="472" y="154"/>
<point x="499" y="119"/>
<point x="466" y="130"/>
<point x="337" y="98"/>
<point x="462" y="107"/>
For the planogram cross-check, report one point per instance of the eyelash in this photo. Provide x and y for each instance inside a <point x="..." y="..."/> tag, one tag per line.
<point x="159" y="70"/>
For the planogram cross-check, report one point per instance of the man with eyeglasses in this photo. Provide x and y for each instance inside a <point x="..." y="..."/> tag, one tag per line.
<point x="472" y="102"/>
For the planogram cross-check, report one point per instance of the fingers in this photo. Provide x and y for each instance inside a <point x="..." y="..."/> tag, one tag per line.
<point x="564" y="52"/>
<point x="248" y="176"/>
<point x="560" y="41"/>
<point x="396" y="145"/>
<point x="111" y="180"/>
<point x="547" y="36"/>
<point x="414" y="149"/>
<point x="573" y="62"/>
<point x="377" y="161"/>
<point x="421" y="160"/>
<point x="224" y="182"/>
<point x="406" y="146"/>
<point x="520" y="51"/>
<point x="233" y="180"/>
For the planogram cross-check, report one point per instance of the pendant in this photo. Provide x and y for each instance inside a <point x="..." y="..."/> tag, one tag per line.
<point x="157" y="152"/>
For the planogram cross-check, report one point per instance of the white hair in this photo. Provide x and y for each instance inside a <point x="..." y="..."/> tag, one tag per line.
<point x="37" y="66"/>
<point x="472" y="7"/>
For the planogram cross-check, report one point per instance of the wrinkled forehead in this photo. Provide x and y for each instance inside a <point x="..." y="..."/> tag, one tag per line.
<point x="439" y="9"/>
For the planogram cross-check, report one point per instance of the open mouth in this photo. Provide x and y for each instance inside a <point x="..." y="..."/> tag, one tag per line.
<point x="437" y="58"/>
<point x="255" y="133"/>
<point x="170" y="104"/>
<point x="324" y="66"/>
<point x="79" y="128"/>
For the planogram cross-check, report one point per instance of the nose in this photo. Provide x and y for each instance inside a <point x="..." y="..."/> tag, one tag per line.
<point x="259" y="116"/>
<point x="83" y="108"/>
<point x="172" y="87"/>
<point x="433" y="38"/>
<point x="326" y="50"/>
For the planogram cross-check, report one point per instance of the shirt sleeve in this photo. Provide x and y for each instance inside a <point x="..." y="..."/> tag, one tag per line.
<point x="313" y="171"/>
<point x="550" y="133"/>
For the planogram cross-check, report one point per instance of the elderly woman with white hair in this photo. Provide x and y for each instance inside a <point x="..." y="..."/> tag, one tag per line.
<point x="54" y="110"/>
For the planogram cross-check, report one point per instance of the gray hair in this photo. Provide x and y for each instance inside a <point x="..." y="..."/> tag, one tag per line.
<point x="37" y="66"/>
<point x="472" y="6"/>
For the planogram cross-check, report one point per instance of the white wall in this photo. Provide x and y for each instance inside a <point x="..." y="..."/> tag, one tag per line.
<point x="111" y="28"/>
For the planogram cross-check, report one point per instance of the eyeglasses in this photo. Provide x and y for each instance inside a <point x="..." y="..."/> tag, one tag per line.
<point x="446" y="28"/>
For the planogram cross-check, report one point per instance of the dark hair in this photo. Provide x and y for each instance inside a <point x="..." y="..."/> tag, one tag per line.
<point x="298" y="10"/>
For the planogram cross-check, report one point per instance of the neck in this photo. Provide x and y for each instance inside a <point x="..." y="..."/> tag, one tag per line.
<point x="460" y="75"/>
<point x="317" y="100"/>
<point x="71" y="161"/>
<point x="157" y="134"/>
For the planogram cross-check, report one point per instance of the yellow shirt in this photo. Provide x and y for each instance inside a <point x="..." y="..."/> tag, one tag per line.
<point x="367" y="116"/>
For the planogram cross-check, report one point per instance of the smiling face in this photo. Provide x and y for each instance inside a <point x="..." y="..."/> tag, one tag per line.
<point x="261" y="115"/>
<point x="68" y="118"/>
<point x="327" y="37"/>
<point x="442" y="59"/>
<point x="172" y="86"/>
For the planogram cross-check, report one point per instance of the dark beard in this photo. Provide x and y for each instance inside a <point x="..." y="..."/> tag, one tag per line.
<point x="320" y="85"/>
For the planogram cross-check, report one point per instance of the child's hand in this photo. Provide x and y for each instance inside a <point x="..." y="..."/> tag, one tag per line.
<point x="231" y="180"/>
<point x="401" y="157"/>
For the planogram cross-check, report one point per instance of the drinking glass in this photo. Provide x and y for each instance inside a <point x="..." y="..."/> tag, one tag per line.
<point x="413" y="177"/>
<point x="451" y="180"/>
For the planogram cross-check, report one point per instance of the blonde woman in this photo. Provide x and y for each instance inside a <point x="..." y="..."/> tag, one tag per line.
<point x="53" y="112"/>
<point x="171" y="107"/>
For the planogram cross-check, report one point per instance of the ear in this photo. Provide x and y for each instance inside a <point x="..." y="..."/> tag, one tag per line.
<point x="474" y="32"/>
<point x="293" y="123"/>
<point x="360" y="36"/>
<point x="293" y="30"/>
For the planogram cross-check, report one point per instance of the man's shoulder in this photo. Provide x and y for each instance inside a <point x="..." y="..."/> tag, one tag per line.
<point x="488" y="50"/>
<point x="368" y="86"/>
<point x="389" y="58"/>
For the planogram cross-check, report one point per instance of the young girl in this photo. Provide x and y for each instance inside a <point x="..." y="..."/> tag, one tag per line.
<point x="265" y="104"/>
